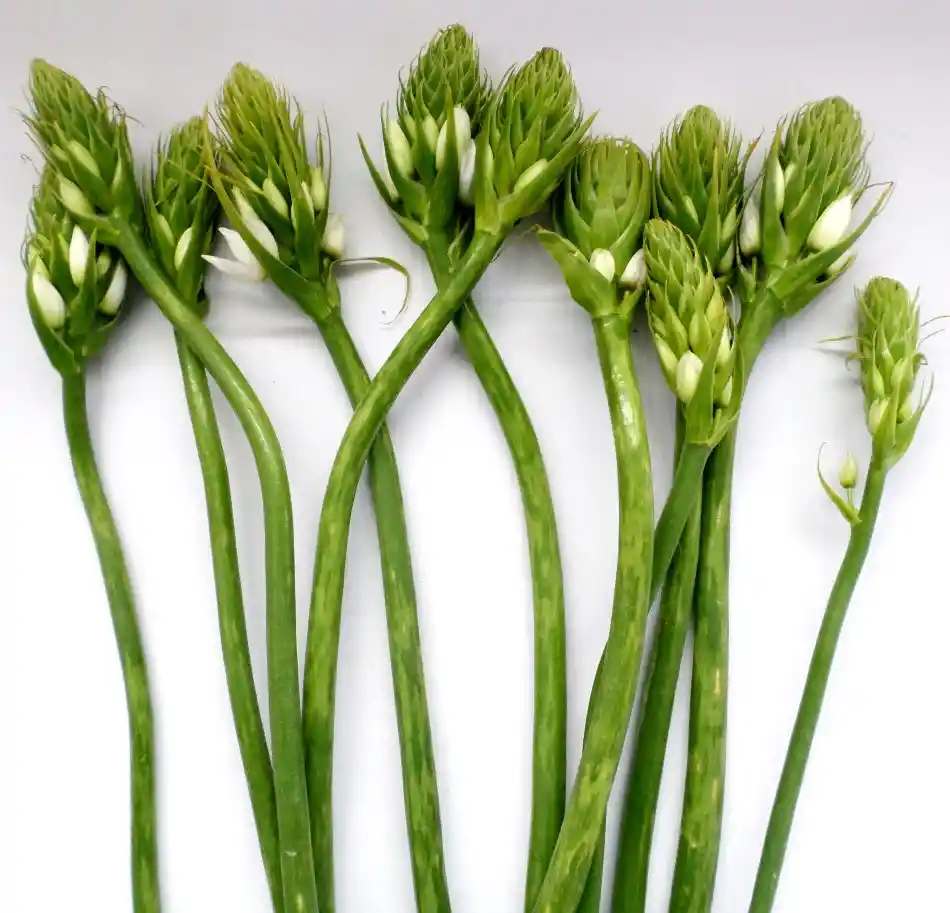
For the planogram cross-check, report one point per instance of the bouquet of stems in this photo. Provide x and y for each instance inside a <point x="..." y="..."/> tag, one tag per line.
<point x="714" y="265"/>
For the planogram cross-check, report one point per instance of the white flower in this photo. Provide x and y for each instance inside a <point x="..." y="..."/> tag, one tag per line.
<point x="467" y="173"/>
<point x="463" y="133"/>
<point x="115" y="293"/>
<point x="48" y="300"/>
<point x="334" y="236"/>
<point x="181" y="248"/>
<point x="318" y="190"/>
<point x="399" y="149"/>
<point x="244" y="265"/>
<point x="78" y="255"/>
<point x="635" y="272"/>
<point x="687" y="376"/>
<point x="275" y="198"/>
<point x="73" y="198"/>
<point x="848" y="474"/>
<point x="603" y="261"/>
<point x="750" y="231"/>
<point x="832" y="224"/>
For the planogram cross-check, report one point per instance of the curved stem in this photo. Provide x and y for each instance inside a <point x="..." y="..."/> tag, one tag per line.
<point x="248" y="724"/>
<point x="145" y="891"/>
<point x="323" y="636"/>
<point x="420" y="786"/>
<point x="613" y="696"/>
<point x="300" y="895"/>
<point x="816" y="684"/>
<point x="549" y="749"/>
<point x="656" y="711"/>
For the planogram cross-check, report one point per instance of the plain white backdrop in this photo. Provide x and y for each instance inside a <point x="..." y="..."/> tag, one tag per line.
<point x="871" y="830"/>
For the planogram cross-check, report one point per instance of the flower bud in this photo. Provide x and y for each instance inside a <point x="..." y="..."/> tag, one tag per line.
<point x="603" y="261"/>
<point x="103" y="262"/>
<point x="778" y="186"/>
<point x="530" y="174"/>
<point x="728" y="258"/>
<point x="78" y="255"/>
<point x="839" y="264"/>
<point x="181" y="248"/>
<point x="725" y="348"/>
<point x="399" y="149"/>
<point x="334" y="236"/>
<point x="876" y="414"/>
<point x="832" y="225"/>
<point x="667" y="357"/>
<point x="276" y="199"/>
<point x="115" y="293"/>
<point x="906" y="411"/>
<point x="687" y="376"/>
<point x="467" y="173"/>
<point x="750" y="230"/>
<point x="635" y="272"/>
<point x="74" y="199"/>
<point x="430" y="130"/>
<point x="318" y="189"/>
<point x="725" y="397"/>
<point x="50" y="303"/>
<point x="82" y="155"/>
<point x="787" y="175"/>
<point x="463" y="133"/>
<point x="848" y="474"/>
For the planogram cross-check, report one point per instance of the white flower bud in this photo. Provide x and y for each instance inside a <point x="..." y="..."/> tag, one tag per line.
<point x="467" y="173"/>
<point x="832" y="225"/>
<point x="255" y="225"/>
<point x="82" y="155"/>
<point x="716" y="308"/>
<point x="244" y="266"/>
<point x="115" y="293"/>
<point x="181" y="248"/>
<point x="778" y="187"/>
<point x="603" y="261"/>
<point x="334" y="236"/>
<point x="74" y="199"/>
<point x="306" y="194"/>
<point x="50" y="303"/>
<point x="726" y="396"/>
<point x="634" y="274"/>
<point x="430" y="130"/>
<point x="78" y="255"/>
<point x="668" y="360"/>
<point x="463" y="133"/>
<point x="877" y="382"/>
<point x="399" y="149"/>
<point x="318" y="190"/>
<point x="876" y="414"/>
<point x="687" y="376"/>
<point x="728" y="258"/>
<point x="750" y="231"/>
<point x="276" y="199"/>
<point x="530" y="174"/>
<point x="725" y="348"/>
<point x="848" y="474"/>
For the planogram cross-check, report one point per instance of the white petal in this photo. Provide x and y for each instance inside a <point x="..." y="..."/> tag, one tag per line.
<point x="832" y="225"/>
<point x="233" y="268"/>
<point x="750" y="231"/>
<point x="78" y="255"/>
<point x="252" y="221"/>
<point x="635" y="272"/>
<point x="467" y="173"/>
<point x="603" y="261"/>
<point x="115" y="293"/>
<point x="687" y="376"/>
<point x="238" y="247"/>
<point x="49" y="301"/>
<point x="181" y="248"/>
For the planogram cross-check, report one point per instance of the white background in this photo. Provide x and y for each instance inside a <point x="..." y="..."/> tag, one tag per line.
<point x="871" y="830"/>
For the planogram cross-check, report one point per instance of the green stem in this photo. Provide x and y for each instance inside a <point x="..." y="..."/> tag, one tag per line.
<point x="803" y="734"/>
<point x="420" y="787"/>
<point x="697" y="859"/>
<point x="145" y="892"/>
<point x="656" y="711"/>
<point x="323" y="635"/>
<point x="300" y="894"/>
<point x="248" y="724"/>
<point x="549" y="753"/>
<point x="612" y="699"/>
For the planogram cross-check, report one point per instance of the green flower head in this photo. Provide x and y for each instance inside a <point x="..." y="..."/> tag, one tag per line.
<point x="86" y="139"/>
<point x="75" y="286"/>
<point x="604" y="202"/>
<point x="266" y="183"/>
<point x="181" y="208"/>
<point x="699" y="171"/>
<point x="692" y="329"/>
<point x="887" y="349"/>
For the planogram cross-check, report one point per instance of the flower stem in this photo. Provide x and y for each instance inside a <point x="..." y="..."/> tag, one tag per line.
<point x="323" y="636"/>
<point x="612" y="699"/>
<point x="248" y="724"/>
<point x="816" y="684"/>
<point x="300" y="895"/>
<point x="420" y="786"/>
<point x="656" y="711"/>
<point x="145" y="890"/>
<point x="549" y="752"/>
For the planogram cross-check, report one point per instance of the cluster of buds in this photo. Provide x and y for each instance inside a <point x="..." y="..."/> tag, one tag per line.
<point x="86" y="140"/>
<point x="692" y="330"/>
<point x="75" y="286"/>
<point x="887" y="349"/>
<point x="699" y="173"/>
<point x="181" y="208"/>
<point x="599" y="213"/>
<point x="798" y="221"/>
<point x="272" y="194"/>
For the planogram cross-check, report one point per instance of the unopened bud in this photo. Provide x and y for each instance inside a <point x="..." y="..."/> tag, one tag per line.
<point x="668" y="359"/>
<point x="399" y="149"/>
<point x="728" y="258"/>
<point x="334" y="236"/>
<point x="876" y="414"/>
<point x="276" y="199"/>
<point x="832" y="225"/>
<point x="467" y="173"/>
<point x="848" y="474"/>
<point x="634" y="274"/>
<point x="115" y="293"/>
<point x="74" y="199"/>
<point x="255" y="225"/>
<point x="778" y="187"/>
<point x="726" y="396"/>
<point x="906" y="411"/>
<point x="50" y="303"/>
<point x="78" y="255"/>
<point x="687" y="376"/>
<point x="181" y="248"/>
<point x="839" y="264"/>
<point x="530" y="174"/>
<point x="750" y="230"/>
<point x="603" y="261"/>
<point x="83" y="156"/>
<point x="103" y="262"/>
<point x="725" y="348"/>
<point x="463" y="133"/>
<point x="318" y="190"/>
<point x="430" y="130"/>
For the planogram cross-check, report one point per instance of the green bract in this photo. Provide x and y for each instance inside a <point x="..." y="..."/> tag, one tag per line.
<point x="887" y="348"/>
<point x="87" y="140"/>
<point x="181" y="208"/>
<point x="75" y="286"/>
<point x="605" y="200"/>
<point x="266" y="183"/>
<point x="692" y="329"/>
<point x="699" y="171"/>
